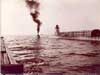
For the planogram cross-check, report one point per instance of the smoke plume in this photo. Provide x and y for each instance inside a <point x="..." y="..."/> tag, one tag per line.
<point x="34" y="4"/>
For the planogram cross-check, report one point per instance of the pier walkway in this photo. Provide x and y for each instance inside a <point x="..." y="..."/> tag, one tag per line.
<point x="83" y="38"/>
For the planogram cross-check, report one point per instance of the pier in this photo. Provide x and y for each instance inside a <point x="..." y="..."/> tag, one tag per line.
<point x="4" y="57"/>
<point x="7" y="63"/>
<point x="85" y="35"/>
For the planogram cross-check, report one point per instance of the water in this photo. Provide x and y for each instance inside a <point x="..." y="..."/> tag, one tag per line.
<point x="55" y="56"/>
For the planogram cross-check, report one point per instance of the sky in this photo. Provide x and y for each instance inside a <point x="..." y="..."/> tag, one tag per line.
<point x="70" y="15"/>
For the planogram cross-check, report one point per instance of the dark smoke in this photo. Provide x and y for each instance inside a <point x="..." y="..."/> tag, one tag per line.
<point x="35" y="17"/>
<point x="33" y="4"/>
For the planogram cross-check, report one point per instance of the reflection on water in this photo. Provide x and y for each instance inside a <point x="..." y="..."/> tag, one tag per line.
<point x="54" y="56"/>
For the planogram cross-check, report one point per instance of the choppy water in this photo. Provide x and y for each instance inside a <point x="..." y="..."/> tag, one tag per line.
<point x="56" y="56"/>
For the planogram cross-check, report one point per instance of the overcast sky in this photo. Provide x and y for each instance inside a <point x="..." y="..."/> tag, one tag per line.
<point x="71" y="15"/>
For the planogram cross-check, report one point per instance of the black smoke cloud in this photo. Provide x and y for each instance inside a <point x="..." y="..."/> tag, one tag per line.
<point x="34" y="4"/>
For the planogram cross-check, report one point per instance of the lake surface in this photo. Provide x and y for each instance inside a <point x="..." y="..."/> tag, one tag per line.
<point x="55" y="55"/>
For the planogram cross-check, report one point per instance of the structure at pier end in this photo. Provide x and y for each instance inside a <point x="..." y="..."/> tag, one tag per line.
<point x="95" y="33"/>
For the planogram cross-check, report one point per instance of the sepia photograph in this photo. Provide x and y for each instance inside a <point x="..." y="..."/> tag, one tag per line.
<point x="49" y="37"/>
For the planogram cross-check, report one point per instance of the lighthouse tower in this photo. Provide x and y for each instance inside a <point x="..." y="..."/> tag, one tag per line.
<point x="57" y="30"/>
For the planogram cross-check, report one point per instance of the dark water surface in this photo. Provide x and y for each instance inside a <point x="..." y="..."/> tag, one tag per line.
<point x="55" y="56"/>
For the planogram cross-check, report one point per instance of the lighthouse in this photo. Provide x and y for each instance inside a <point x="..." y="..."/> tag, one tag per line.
<point x="57" y="30"/>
